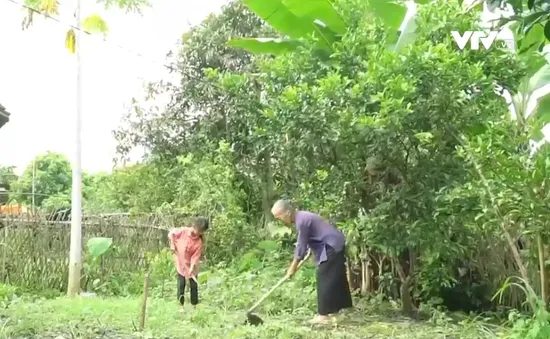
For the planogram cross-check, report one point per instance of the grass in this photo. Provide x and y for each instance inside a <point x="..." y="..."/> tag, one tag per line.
<point x="118" y="318"/>
<point x="225" y="296"/>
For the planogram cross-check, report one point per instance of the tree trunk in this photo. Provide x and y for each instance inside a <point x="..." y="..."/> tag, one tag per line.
<point x="365" y="273"/>
<point x="363" y="282"/>
<point x="267" y="192"/>
<point x="380" y="273"/>
<point x="368" y="275"/>
<point x="365" y="277"/>
<point x="542" y="268"/>
<point x="515" y="253"/>
<point x="348" y="276"/>
<point x="406" y="300"/>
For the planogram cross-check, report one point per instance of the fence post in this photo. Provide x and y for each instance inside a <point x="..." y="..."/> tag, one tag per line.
<point x="4" y="253"/>
<point x="144" y="300"/>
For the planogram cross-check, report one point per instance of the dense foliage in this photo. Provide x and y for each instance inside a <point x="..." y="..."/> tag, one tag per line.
<point x="368" y="137"/>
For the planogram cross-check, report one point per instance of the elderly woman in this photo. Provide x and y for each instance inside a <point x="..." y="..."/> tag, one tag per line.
<point x="328" y="247"/>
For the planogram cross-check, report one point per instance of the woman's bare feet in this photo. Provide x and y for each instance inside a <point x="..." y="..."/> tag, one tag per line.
<point x="320" y="320"/>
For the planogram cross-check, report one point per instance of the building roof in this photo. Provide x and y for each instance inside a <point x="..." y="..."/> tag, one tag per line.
<point x="4" y="116"/>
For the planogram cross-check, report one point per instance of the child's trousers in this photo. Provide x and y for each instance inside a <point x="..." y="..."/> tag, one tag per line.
<point x="193" y="287"/>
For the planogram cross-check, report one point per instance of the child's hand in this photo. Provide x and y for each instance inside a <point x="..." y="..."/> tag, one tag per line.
<point x="196" y="269"/>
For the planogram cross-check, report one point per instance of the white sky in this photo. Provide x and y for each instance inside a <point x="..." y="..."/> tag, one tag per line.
<point x="37" y="76"/>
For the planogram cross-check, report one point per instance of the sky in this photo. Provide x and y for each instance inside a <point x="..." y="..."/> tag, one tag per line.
<point x="38" y="76"/>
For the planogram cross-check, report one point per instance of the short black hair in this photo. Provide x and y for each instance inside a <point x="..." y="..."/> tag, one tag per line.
<point x="201" y="223"/>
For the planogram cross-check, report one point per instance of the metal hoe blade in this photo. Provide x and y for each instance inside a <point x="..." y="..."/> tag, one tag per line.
<point x="252" y="319"/>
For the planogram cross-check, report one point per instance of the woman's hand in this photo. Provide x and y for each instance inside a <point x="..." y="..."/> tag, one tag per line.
<point x="290" y="272"/>
<point x="292" y="269"/>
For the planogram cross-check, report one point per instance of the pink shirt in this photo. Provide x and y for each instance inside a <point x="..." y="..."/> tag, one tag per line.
<point x="188" y="249"/>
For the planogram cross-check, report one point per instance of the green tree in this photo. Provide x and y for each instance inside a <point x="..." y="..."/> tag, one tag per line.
<point x="52" y="179"/>
<point x="141" y="188"/>
<point x="7" y="178"/>
<point x="200" y="114"/>
<point x="196" y="104"/>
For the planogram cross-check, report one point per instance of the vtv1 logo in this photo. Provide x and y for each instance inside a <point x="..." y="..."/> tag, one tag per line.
<point x="475" y="37"/>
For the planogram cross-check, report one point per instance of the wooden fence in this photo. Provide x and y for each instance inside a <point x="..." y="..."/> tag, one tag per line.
<point x="34" y="249"/>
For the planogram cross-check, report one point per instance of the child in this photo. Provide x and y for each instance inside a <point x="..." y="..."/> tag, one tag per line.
<point x="187" y="243"/>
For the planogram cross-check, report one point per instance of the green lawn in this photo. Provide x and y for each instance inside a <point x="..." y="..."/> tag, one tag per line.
<point x="119" y="318"/>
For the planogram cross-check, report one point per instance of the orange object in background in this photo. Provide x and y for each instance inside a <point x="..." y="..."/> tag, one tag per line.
<point x="13" y="209"/>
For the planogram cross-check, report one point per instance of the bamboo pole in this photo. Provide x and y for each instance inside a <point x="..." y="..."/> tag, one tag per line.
<point x="542" y="268"/>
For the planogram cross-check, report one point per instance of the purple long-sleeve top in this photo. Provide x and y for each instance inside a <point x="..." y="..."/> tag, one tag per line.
<point x="315" y="233"/>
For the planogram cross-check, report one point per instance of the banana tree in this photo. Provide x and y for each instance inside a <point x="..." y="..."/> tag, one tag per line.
<point x="530" y="25"/>
<point x="531" y="20"/>
<point x="538" y="77"/>
<point x="299" y="21"/>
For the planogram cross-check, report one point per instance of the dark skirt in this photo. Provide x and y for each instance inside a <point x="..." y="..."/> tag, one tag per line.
<point x="333" y="292"/>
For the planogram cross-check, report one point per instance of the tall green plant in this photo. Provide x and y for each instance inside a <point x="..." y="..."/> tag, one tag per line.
<point x="300" y="21"/>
